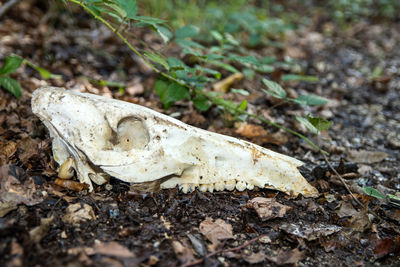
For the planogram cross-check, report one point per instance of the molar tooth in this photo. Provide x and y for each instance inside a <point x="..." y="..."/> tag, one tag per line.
<point x="219" y="186"/>
<point x="250" y="186"/>
<point x="230" y="185"/>
<point x="203" y="188"/>
<point x="185" y="188"/>
<point x="240" y="186"/>
<point x="210" y="188"/>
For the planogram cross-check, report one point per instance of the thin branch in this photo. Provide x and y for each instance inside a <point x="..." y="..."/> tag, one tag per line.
<point x="7" y="6"/>
<point x="224" y="251"/>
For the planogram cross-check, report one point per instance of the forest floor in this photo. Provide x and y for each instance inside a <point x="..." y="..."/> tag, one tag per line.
<point x="43" y="224"/>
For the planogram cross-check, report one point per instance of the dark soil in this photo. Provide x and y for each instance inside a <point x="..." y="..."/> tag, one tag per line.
<point x="163" y="228"/>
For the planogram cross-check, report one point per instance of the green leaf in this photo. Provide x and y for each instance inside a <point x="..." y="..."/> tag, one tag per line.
<point x="246" y="60"/>
<point x="165" y="34"/>
<point x="201" y="103"/>
<point x="373" y="192"/>
<point x="320" y="124"/>
<point x="176" y="64"/>
<point x="274" y="89"/>
<point x="242" y="106"/>
<point x="11" y="64"/>
<point x="157" y="58"/>
<point x="307" y="124"/>
<point x="310" y="100"/>
<point x="170" y="92"/>
<point x="11" y="85"/>
<point x="187" y="31"/>
<point x="116" y="9"/>
<point x="224" y="66"/>
<point x="265" y="68"/>
<point x="240" y="91"/>
<point x="217" y="36"/>
<point x="300" y="78"/>
<point x="148" y="20"/>
<point x="129" y="6"/>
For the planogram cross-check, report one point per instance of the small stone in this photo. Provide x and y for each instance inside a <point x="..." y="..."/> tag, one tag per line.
<point x="108" y="187"/>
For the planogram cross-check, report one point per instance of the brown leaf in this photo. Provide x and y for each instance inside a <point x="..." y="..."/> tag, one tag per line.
<point x="254" y="258"/>
<point x="224" y="85"/>
<point x="16" y="187"/>
<point x="9" y="149"/>
<point x="364" y="156"/>
<point x="184" y="254"/>
<point x="358" y="221"/>
<point x="383" y="247"/>
<point x="310" y="232"/>
<point x="112" y="249"/>
<point x="267" y="208"/>
<point x="71" y="185"/>
<point x="77" y="213"/>
<point x="37" y="233"/>
<point x="216" y="231"/>
<point x="287" y="257"/>
<point x="6" y="207"/>
<point x="260" y="136"/>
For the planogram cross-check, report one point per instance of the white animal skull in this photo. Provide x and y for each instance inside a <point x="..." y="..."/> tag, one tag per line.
<point x="107" y="137"/>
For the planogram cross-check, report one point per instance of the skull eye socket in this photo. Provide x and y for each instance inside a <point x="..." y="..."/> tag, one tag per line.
<point x="132" y="134"/>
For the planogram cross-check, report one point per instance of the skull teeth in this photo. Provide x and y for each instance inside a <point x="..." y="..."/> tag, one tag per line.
<point x="219" y="186"/>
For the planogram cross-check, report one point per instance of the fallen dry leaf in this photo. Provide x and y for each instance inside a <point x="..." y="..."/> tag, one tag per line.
<point x="37" y="233"/>
<point x="267" y="208"/>
<point x="224" y="85"/>
<point x="184" y="254"/>
<point x="310" y="232"/>
<point x="260" y="136"/>
<point x="287" y="257"/>
<point x="78" y="212"/>
<point x="6" y="207"/>
<point x="364" y="156"/>
<point x="254" y="258"/>
<point x="112" y="249"/>
<point x="216" y="231"/>
<point x="16" y="187"/>
<point x="358" y="221"/>
<point x="71" y="185"/>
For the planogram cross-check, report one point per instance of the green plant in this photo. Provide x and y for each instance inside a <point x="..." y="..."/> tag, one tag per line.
<point x="388" y="198"/>
<point x="11" y="64"/>
<point x="179" y="80"/>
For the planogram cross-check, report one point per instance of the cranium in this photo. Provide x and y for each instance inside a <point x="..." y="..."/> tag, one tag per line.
<point x="104" y="137"/>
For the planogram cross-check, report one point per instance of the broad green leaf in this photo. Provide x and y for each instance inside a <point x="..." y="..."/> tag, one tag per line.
<point x="116" y="9"/>
<point x="320" y="124"/>
<point x="129" y="6"/>
<point x="307" y="124"/>
<point x="188" y="43"/>
<point x="246" y="60"/>
<point x="249" y="74"/>
<point x="187" y="31"/>
<point x="96" y="10"/>
<point x="224" y="66"/>
<point x="265" y="68"/>
<point x="201" y="103"/>
<point x="157" y="58"/>
<point x="148" y="20"/>
<point x="300" y="78"/>
<point x="11" y="64"/>
<point x="165" y="34"/>
<point x="215" y="73"/>
<point x="217" y="36"/>
<point x="373" y="192"/>
<point x="175" y="63"/>
<point x="11" y="85"/>
<point x="242" y="106"/>
<point x="160" y="87"/>
<point x="274" y="89"/>
<point x="240" y="91"/>
<point x="310" y="100"/>
<point x="175" y="92"/>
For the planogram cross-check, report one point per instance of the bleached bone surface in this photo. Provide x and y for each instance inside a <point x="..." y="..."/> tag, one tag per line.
<point x="107" y="137"/>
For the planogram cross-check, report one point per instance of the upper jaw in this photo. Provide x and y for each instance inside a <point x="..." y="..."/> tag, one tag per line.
<point x="136" y="144"/>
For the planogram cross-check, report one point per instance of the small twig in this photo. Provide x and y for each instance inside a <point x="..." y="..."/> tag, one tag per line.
<point x="342" y="180"/>
<point x="223" y="251"/>
<point x="7" y="6"/>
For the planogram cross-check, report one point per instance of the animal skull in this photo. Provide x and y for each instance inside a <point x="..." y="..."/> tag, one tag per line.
<point x="107" y="137"/>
